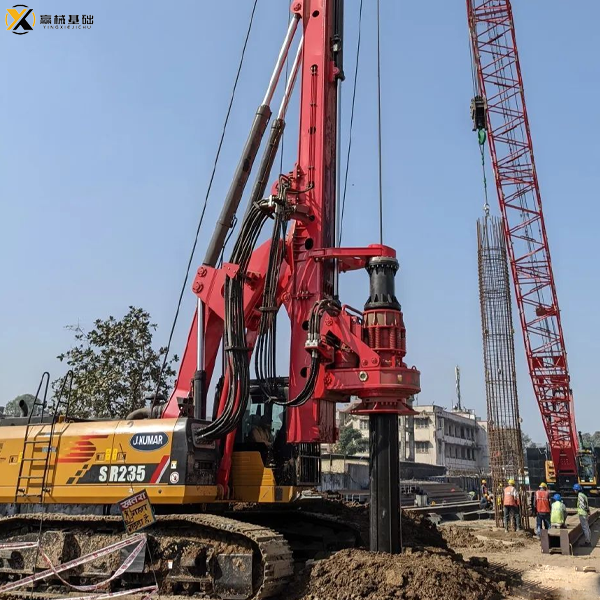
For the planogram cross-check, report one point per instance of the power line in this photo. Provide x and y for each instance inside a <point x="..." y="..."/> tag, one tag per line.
<point x="351" y="123"/>
<point x="379" y="124"/>
<point x="208" y="190"/>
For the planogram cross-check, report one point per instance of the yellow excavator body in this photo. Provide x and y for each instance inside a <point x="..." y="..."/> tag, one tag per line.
<point x="102" y="462"/>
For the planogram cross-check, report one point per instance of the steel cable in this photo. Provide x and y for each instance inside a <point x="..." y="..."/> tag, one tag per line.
<point x="351" y="123"/>
<point x="208" y="190"/>
<point x="379" y="161"/>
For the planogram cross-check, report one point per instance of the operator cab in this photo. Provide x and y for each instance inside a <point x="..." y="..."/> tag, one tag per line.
<point x="264" y="429"/>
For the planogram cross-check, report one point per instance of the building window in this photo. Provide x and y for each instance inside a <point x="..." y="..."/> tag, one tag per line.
<point x="422" y="447"/>
<point x="422" y="423"/>
<point x="364" y="424"/>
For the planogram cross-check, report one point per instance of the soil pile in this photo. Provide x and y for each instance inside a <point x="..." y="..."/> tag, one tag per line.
<point x="360" y="575"/>
<point x="417" y="531"/>
<point x="460" y="537"/>
<point x="463" y="538"/>
<point x="420" y="532"/>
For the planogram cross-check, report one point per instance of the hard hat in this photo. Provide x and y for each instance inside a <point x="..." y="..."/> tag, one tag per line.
<point x="543" y="485"/>
<point x="556" y="497"/>
<point x="511" y="482"/>
<point x="577" y="487"/>
<point x="483" y="481"/>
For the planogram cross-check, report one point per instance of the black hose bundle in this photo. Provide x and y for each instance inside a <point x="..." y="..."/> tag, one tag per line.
<point x="266" y="342"/>
<point x="237" y="355"/>
<point x="314" y="331"/>
<point x="234" y="336"/>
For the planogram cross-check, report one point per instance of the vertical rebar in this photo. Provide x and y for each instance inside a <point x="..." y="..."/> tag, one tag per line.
<point x="504" y="424"/>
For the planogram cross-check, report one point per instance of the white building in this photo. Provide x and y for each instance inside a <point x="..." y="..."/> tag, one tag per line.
<point x="455" y="439"/>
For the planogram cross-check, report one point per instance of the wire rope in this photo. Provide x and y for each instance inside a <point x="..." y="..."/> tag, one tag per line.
<point x="360" y="9"/>
<point x="379" y="161"/>
<point x="206" y="198"/>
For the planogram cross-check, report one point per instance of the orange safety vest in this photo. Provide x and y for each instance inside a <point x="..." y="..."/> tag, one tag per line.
<point x="509" y="498"/>
<point x="542" y="501"/>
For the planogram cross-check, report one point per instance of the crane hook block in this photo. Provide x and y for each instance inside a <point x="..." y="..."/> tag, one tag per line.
<point x="479" y="113"/>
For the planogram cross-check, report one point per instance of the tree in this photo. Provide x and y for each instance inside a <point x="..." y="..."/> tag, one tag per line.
<point x="591" y="439"/>
<point x="528" y="442"/>
<point x="351" y="441"/>
<point x="114" y="366"/>
<point x="12" y="407"/>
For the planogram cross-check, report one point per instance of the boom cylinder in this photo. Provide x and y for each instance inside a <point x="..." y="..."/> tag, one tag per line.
<point x="238" y="184"/>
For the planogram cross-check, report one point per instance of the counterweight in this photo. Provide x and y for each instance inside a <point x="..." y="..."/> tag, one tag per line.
<point x="499" y="82"/>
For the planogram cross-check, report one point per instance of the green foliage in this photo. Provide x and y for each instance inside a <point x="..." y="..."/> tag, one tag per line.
<point x="12" y="407"/>
<point x="527" y="441"/>
<point x="114" y="366"/>
<point x="591" y="440"/>
<point x="351" y="442"/>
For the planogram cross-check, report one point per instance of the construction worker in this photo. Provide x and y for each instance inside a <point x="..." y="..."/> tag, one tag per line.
<point x="558" y="512"/>
<point x="511" y="503"/>
<point x="540" y="508"/>
<point x="483" y="490"/>
<point x="583" y="511"/>
<point x="484" y="502"/>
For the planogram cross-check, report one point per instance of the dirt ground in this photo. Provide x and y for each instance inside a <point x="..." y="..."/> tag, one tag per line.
<point x="421" y="575"/>
<point x="458" y="561"/>
<point x="544" y="576"/>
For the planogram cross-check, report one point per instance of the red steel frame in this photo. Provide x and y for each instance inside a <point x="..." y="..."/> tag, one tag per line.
<point x="509" y="136"/>
<point x="368" y="361"/>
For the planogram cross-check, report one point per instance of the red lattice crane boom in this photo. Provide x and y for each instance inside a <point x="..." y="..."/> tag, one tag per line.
<point x="500" y="106"/>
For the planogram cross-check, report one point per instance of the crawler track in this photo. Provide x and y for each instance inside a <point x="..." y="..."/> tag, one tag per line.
<point x="184" y="553"/>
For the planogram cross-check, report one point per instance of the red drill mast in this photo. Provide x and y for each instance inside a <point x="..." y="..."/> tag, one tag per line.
<point x="336" y="352"/>
<point x="501" y="96"/>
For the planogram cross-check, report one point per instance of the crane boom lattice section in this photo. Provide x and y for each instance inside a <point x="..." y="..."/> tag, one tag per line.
<point x="504" y="424"/>
<point x="500" y="83"/>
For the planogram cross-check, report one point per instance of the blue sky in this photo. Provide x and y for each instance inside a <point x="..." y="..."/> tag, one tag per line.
<point x="109" y="136"/>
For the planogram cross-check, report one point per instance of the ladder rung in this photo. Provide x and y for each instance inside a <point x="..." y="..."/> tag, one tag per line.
<point x="31" y="477"/>
<point x="47" y="442"/>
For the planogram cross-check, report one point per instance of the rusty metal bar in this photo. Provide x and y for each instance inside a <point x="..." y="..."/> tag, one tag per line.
<point x="507" y="459"/>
